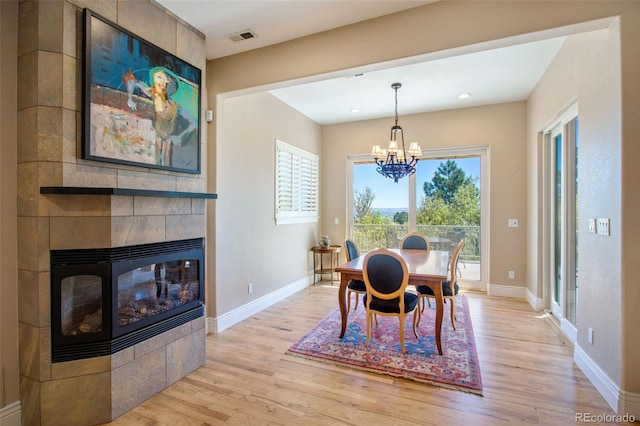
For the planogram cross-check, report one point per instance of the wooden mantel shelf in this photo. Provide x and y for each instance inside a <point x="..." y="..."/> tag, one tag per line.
<point x="78" y="190"/>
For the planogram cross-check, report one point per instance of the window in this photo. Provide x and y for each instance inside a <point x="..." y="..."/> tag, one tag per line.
<point x="296" y="185"/>
<point x="384" y="211"/>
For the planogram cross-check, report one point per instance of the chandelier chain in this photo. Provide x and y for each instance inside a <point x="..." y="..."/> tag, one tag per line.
<point x="396" y="89"/>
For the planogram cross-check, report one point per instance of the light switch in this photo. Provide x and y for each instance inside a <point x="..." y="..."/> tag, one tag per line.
<point x="513" y="223"/>
<point x="336" y="221"/>
<point x="603" y="226"/>
<point x="592" y="225"/>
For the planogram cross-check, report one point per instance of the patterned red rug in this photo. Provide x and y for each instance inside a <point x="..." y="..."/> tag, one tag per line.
<point x="457" y="368"/>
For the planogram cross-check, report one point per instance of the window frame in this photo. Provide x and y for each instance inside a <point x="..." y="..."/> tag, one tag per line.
<point x="303" y="184"/>
<point x="482" y="151"/>
<point x="564" y="125"/>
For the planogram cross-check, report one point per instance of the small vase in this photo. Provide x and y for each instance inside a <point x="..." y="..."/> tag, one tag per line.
<point x="324" y="241"/>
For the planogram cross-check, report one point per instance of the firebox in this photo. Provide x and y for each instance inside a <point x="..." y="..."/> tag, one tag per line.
<point x="105" y="300"/>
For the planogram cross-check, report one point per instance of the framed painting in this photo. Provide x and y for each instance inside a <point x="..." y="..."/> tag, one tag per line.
<point x="141" y="104"/>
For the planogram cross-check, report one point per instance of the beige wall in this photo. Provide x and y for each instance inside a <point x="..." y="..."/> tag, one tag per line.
<point x="250" y="247"/>
<point x="432" y="30"/>
<point x="630" y="178"/>
<point x="501" y="128"/>
<point x="587" y="69"/>
<point x="445" y="28"/>
<point x="9" y="371"/>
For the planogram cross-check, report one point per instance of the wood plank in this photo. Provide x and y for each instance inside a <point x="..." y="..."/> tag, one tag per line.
<point x="527" y="371"/>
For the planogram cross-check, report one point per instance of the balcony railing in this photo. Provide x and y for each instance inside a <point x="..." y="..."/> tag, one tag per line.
<point x="441" y="237"/>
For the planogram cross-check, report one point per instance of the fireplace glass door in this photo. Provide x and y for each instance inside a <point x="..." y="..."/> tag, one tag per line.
<point x="78" y="307"/>
<point x="156" y="288"/>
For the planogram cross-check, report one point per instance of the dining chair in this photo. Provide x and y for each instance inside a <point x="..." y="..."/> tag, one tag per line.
<point x="415" y="241"/>
<point x="450" y="288"/>
<point x="355" y="287"/>
<point x="386" y="277"/>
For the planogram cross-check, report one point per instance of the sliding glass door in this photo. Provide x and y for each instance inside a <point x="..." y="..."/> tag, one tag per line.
<point x="441" y="201"/>
<point x="561" y="146"/>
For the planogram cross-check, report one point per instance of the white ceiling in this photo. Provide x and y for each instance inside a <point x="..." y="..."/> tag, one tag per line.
<point x="492" y="76"/>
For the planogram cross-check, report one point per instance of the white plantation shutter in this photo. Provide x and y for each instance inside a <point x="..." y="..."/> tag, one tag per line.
<point x="296" y="184"/>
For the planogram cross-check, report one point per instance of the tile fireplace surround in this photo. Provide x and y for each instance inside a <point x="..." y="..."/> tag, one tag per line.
<point x="99" y="389"/>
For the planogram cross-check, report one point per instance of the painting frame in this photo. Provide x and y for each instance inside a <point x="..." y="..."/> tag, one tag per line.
<point x="141" y="105"/>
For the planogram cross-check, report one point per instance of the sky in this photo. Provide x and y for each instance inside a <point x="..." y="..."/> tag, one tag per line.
<point x="389" y="194"/>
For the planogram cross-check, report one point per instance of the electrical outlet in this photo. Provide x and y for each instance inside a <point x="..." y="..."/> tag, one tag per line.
<point x="512" y="275"/>
<point x="250" y="288"/>
<point x="513" y="223"/>
<point x="590" y="335"/>
<point x="603" y="226"/>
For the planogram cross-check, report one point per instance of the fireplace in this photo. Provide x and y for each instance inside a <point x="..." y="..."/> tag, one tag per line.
<point x="105" y="300"/>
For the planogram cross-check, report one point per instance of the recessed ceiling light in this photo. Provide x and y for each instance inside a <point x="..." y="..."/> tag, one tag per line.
<point x="355" y="109"/>
<point x="464" y="95"/>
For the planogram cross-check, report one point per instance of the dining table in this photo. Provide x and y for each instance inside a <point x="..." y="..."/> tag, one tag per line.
<point x="426" y="267"/>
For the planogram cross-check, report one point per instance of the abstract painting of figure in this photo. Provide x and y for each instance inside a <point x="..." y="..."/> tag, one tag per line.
<point x="142" y="104"/>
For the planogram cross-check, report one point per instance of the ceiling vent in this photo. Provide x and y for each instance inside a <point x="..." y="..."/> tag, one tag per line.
<point x="241" y="36"/>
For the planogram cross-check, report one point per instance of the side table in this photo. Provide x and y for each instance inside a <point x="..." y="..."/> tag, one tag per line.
<point x="321" y="269"/>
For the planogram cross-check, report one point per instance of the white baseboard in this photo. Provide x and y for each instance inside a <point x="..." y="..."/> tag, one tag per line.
<point x="536" y="303"/>
<point x="569" y="330"/>
<point x="10" y="415"/>
<point x="620" y="401"/>
<point x="216" y="325"/>
<point x="506" y="291"/>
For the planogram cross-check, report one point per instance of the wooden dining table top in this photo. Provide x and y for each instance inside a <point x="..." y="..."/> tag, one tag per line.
<point x="421" y="264"/>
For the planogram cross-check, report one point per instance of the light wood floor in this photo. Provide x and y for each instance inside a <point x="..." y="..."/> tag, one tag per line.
<point x="527" y="370"/>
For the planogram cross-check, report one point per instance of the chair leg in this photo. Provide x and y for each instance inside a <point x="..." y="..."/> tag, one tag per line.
<point x="349" y="301"/>
<point x="416" y="319"/>
<point x="428" y="299"/>
<point x="453" y="314"/>
<point x="368" y="329"/>
<point x="356" y="307"/>
<point x="401" y="317"/>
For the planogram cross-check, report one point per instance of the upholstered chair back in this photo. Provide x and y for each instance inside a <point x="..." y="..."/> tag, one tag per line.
<point x="352" y="250"/>
<point x="386" y="274"/>
<point x="414" y="242"/>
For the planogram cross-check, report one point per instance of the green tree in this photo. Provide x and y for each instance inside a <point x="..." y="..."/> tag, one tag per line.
<point x="433" y="211"/>
<point x="374" y="217"/>
<point x="401" y="217"/>
<point x="446" y="181"/>
<point x="362" y="201"/>
<point x="466" y="205"/>
<point x="451" y="198"/>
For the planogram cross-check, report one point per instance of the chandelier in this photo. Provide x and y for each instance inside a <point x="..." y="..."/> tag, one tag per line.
<point x="392" y="162"/>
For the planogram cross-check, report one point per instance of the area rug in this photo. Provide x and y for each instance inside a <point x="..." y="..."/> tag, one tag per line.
<point x="457" y="368"/>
